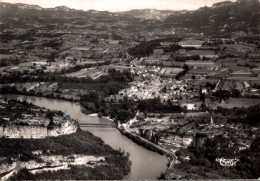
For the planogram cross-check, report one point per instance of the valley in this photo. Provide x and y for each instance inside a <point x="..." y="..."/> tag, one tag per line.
<point x="138" y="94"/>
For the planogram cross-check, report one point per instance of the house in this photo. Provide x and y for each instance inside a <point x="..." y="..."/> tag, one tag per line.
<point x="204" y="91"/>
<point x="189" y="106"/>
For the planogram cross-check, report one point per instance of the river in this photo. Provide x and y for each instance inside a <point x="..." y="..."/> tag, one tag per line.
<point x="145" y="164"/>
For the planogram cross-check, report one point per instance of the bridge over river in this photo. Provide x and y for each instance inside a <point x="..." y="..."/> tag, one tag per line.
<point x="97" y="125"/>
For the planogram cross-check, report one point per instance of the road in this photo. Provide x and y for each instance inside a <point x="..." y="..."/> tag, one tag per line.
<point x="168" y="153"/>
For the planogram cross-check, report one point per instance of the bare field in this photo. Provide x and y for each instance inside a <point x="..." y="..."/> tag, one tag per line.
<point x="87" y="73"/>
<point x="232" y="84"/>
<point x="170" y="71"/>
<point x="239" y="102"/>
<point x="244" y="78"/>
<point x="200" y="52"/>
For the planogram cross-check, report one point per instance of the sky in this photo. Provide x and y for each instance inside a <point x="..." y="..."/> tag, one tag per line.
<point x="120" y="5"/>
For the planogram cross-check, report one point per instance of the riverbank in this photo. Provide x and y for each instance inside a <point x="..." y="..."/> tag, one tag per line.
<point x="106" y="117"/>
<point x="172" y="158"/>
<point x="152" y="147"/>
<point x="51" y="96"/>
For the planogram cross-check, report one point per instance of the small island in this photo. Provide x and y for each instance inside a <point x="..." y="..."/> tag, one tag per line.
<point x="37" y="143"/>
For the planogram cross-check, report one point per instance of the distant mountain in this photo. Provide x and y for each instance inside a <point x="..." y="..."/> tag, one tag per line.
<point x="222" y="4"/>
<point x="62" y="8"/>
<point x="221" y="18"/>
<point x="224" y="17"/>
<point x="26" y="6"/>
<point x="152" y="13"/>
<point x="33" y="7"/>
<point x="27" y="17"/>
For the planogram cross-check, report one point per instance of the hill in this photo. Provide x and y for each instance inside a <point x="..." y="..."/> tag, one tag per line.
<point x="224" y="17"/>
<point x="152" y="13"/>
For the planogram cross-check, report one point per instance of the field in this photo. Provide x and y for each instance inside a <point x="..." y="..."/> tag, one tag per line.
<point x="82" y="48"/>
<point x="5" y="56"/>
<point x="201" y="63"/>
<point x="228" y="85"/>
<point x="153" y="61"/>
<point x="202" y="83"/>
<point x="37" y="86"/>
<point x="244" y="78"/>
<point x="257" y="83"/>
<point x="239" y="85"/>
<point x="203" y="71"/>
<point x="191" y="43"/>
<point x="88" y="86"/>
<point x="170" y="71"/>
<point x="239" y="102"/>
<point x="93" y="73"/>
<point x="237" y="48"/>
<point x="200" y="52"/>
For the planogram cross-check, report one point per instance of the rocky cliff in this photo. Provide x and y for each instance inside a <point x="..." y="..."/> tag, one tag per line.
<point x="50" y="163"/>
<point x="67" y="126"/>
<point x="24" y="120"/>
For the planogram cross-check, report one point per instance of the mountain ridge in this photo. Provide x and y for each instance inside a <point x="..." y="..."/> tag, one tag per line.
<point x="152" y="13"/>
<point x="242" y="15"/>
<point x="223" y="17"/>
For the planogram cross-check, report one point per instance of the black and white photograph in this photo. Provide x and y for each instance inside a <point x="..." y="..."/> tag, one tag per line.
<point x="129" y="90"/>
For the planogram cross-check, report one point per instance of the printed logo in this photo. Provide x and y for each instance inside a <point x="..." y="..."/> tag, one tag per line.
<point x="227" y="162"/>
